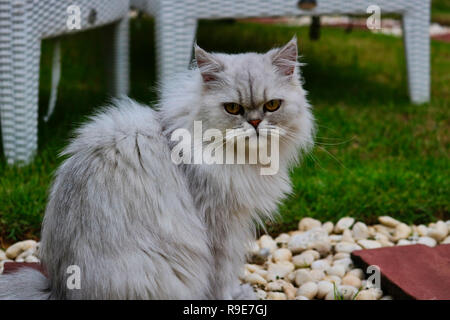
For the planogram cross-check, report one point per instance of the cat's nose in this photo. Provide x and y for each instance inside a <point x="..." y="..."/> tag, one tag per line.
<point x="254" y="123"/>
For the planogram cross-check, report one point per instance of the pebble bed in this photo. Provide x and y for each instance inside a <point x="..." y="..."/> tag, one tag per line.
<point x="312" y="262"/>
<point x="23" y="251"/>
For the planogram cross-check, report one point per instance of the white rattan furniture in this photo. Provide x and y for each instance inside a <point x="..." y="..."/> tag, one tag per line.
<point x="23" y="24"/>
<point x="176" y="23"/>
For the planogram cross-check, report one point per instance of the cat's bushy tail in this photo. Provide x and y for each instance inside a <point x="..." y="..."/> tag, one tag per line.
<point x="24" y="284"/>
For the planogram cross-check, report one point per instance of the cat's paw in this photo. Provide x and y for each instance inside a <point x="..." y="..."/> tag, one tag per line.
<point x="243" y="292"/>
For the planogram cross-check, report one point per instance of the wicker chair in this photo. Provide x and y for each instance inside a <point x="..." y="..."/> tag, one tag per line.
<point x="176" y="23"/>
<point x="23" y="24"/>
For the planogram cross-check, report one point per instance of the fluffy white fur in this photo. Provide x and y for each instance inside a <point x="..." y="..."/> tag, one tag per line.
<point x="141" y="227"/>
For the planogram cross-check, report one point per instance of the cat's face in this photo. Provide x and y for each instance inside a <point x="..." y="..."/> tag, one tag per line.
<point x="251" y="92"/>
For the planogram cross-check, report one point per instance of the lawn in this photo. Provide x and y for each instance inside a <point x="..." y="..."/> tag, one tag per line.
<point x="440" y="11"/>
<point x="376" y="153"/>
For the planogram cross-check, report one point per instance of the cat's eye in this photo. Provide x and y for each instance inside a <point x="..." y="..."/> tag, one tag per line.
<point x="272" y="105"/>
<point x="233" y="108"/>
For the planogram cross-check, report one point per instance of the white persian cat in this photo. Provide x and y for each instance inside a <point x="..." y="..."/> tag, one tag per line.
<point x="138" y="226"/>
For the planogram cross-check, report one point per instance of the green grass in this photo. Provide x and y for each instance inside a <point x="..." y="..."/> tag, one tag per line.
<point x="376" y="153"/>
<point x="440" y="11"/>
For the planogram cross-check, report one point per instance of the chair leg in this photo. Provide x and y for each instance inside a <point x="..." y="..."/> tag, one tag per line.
<point x="174" y="41"/>
<point x="24" y="125"/>
<point x="120" y="58"/>
<point x="417" y="50"/>
<point x="6" y="82"/>
<point x="19" y="90"/>
<point x="7" y="105"/>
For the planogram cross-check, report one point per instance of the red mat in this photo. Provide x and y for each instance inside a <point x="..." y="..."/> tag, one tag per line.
<point x="410" y="272"/>
<point x="11" y="267"/>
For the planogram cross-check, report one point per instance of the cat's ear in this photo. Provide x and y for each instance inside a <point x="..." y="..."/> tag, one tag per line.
<point x="285" y="58"/>
<point x="208" y="64"/>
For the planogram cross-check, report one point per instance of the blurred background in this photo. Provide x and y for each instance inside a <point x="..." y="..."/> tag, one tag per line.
<point x="376" y="153"/>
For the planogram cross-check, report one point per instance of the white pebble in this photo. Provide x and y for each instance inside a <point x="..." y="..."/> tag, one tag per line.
<point x="378" y="293"/>
<point x="282" y="255"/>
<point x="303" y="260"/>
<point x="317" y="274"/>
<point x="289" y="290"/>
<point x="404" y="242"/>
<point x="357" y="272"/>
<point x="267" y="242"/>
<point x="315" y="238"/>
<point x="402" y="231"/>
<point x="365" y="295"/>
<point x="345" y="262"/>
<point x="381" y="237"/>
<point x="347" y="236"/>
<point x="323" y="288"/>
<point x="254" y="278"/>
<point x="388" y="221"/>
<point x="387" y="231"/>
<point x="427" y="241"/>
<point x="328" y="226"/>
<point x="346" y="247"/>
<point x="323" y="247"/>
<point x="301" y="298"/>
<point x="360" y="231"/>
<point x="331" y="295"/>
<point x="439" y="231"/>
<point x="335" y="238"/>
<point x="314" y="253"/>
<point x="337" y="270"/>
<point x="347" y="292"/>
<point x="308" y="290"/>
<point x="263" y="273"/>
<point x="351" y="280"/>
<point x="341" y="255"/>
<point x="252" y="267"/>
<point x="343" y="223"/>
<point x="260" y="294"/>
<point x="279" y="270"/>
<point x="282" y="239"/>
<point x="275" y="285"/>
<point x="422" y="230"/>
<point x="276" y="296"/>
<point x="31" y="258"/>
<point x="333" y="279"/>
<point x="302" y="276"/>
<point x="320" y="264"/>
<point x="369" y="244"/>
<point x="13" y="251"/>
<point x="26" y="253"/>
<point x="386" y="243"/>
<point x="290" y="277"/>
<point x="308" y="223"/>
